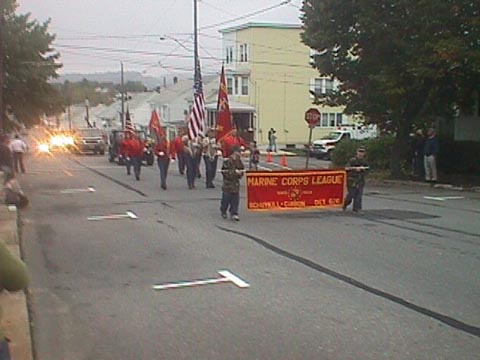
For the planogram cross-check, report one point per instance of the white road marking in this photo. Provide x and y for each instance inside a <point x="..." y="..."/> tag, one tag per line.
<point x="227" y="276"/>
<point x="74" y="191"/>
<point x="127" y="215"/>
<point x="443" y="198"/>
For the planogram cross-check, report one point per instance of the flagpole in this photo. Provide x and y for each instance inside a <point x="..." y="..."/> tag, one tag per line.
<point x="195" y="39"/>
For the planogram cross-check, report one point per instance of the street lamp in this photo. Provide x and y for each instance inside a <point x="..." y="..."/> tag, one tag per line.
<point x="166" y="37"/>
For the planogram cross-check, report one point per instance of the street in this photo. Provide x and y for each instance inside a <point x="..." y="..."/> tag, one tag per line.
<point x="400" y="282"/>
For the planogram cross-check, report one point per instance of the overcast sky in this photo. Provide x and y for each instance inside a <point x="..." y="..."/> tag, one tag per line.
<point x="96" y="35"/>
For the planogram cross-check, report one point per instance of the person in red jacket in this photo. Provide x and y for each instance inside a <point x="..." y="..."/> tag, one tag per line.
<point x="177" y="152"/>
<point x="135" y="148"/>
<point x="124" y="145"/>
<point x="162" y="150"/>
<point x="231" y="141"/>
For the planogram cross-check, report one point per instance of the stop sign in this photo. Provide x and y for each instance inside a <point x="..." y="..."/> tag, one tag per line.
<point x="312" y="117"/>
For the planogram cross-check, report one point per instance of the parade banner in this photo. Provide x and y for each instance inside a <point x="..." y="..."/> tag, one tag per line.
<point x="295" y="190"/>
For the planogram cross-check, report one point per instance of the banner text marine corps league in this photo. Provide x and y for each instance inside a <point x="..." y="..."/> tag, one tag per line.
<point x="295" y="190"/>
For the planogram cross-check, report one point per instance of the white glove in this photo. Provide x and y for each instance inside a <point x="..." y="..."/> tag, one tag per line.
<point x="161" y="153"/>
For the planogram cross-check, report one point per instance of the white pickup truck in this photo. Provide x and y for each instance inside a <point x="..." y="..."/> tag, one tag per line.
<point x="322" y="149"/>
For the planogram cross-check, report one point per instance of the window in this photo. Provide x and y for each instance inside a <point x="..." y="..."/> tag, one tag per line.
<point x="322" y="86"/>
<point x="230" y="86"/>
<point x="339" y="119"/>
<point x="324" y="119"/>
<point x="244" y="85"/>
<point x="243" y="53"/>
<point x="229" y="54"/>
<point x="331" y="120"/>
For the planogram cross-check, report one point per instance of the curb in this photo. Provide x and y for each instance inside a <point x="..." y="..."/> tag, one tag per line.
<point x="15" y="320"/>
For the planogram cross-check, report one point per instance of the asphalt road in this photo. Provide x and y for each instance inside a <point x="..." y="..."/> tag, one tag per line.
<point x="400" y="282"/>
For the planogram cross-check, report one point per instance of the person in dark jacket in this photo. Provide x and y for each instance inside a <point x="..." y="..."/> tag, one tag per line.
<point x="232" y="171"/>
<point x="13" y="277"/>
<point x="430" y="153"/>
<point x="418" y="161"/>
<point x="6" y="159"/>
<point x="356" y="171"/>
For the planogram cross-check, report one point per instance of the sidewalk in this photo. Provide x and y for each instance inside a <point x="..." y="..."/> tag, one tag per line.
<point x="15" y="319"/>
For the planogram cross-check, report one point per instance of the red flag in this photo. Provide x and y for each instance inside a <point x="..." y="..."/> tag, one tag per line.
<point x="155" y="124"/>
<point x="224" y="115"/>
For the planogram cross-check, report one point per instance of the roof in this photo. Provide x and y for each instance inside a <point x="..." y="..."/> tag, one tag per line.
<point x="261" y="25"/>
<point x="234" y="107"/>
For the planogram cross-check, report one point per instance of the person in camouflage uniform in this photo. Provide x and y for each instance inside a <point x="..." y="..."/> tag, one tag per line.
<point x="232" y="171"/>
<point x="356" y="171"/>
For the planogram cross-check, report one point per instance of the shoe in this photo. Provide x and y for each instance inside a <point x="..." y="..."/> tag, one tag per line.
<point x="164" y="187"/>
<point x="128" y="173"/>
<point x="137" y="177"/>
<point x="359" y="212"/>
<point x="235" y="218"/>
<point x="224" y="215"/>
<point x="344" y="207"/>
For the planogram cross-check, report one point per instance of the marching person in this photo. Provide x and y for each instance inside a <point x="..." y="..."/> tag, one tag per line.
<point x="356" y="171"/>
<point x="162" y="150"/>
<point x="210" y="156"/>
<point x="230" y="141"/>
<point x="197" y="149"/>
<point x="135" y="152"/>
<point x="177" y="153"/>
<point x="232" y="171"/>
<point x="189" y="163"/>
<point x="254" y="156"/>
<point x="124" y="150"/>
<point x="13" y="277"/>
<point x="18" y="148"/>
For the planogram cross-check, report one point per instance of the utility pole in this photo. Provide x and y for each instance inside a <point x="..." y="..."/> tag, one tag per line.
<point x="2" y="57"/>
<point x="122" y="89"/>
<point x="195" y="40"/>
<point x="87" y="117"/>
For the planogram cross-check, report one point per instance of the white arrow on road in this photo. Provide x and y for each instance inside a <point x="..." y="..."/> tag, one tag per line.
<point x="127" y="215"/>
<point x="227" y="276"/>
<point x="75" y="191"/>
<point x="443" y="198"/>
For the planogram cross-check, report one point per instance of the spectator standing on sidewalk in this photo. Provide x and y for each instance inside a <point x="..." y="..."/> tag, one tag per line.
<point x="254" y="156"/>
<point x="6" y="159"/>
<point x="272" y="140"/>
<point x="18" y="148"/>
<point x="430" y="153"/>
<point x="13" y="277"/>
<point x="418" y="148"/>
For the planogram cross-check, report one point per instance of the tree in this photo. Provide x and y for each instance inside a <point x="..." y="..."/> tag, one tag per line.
<point x="30" y="61"/>
<point x="398" y="61"/>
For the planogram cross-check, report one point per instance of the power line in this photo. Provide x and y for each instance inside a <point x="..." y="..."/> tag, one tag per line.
<point x="246" y="16"/>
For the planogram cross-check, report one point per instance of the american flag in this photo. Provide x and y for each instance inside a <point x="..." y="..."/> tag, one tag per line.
<point x="196" y="121"/>
<point x="128" y="123"/>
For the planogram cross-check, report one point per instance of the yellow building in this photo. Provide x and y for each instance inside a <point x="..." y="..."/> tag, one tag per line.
<point x="268" y="71"/>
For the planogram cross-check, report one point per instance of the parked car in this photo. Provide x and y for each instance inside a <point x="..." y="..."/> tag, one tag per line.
<point x="323" y="148"/>
<point x="89" y="140"/>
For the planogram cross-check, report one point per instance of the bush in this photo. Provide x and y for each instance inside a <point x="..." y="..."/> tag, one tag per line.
<point x="378" y="151"/>
<point x="459" y="157"/>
